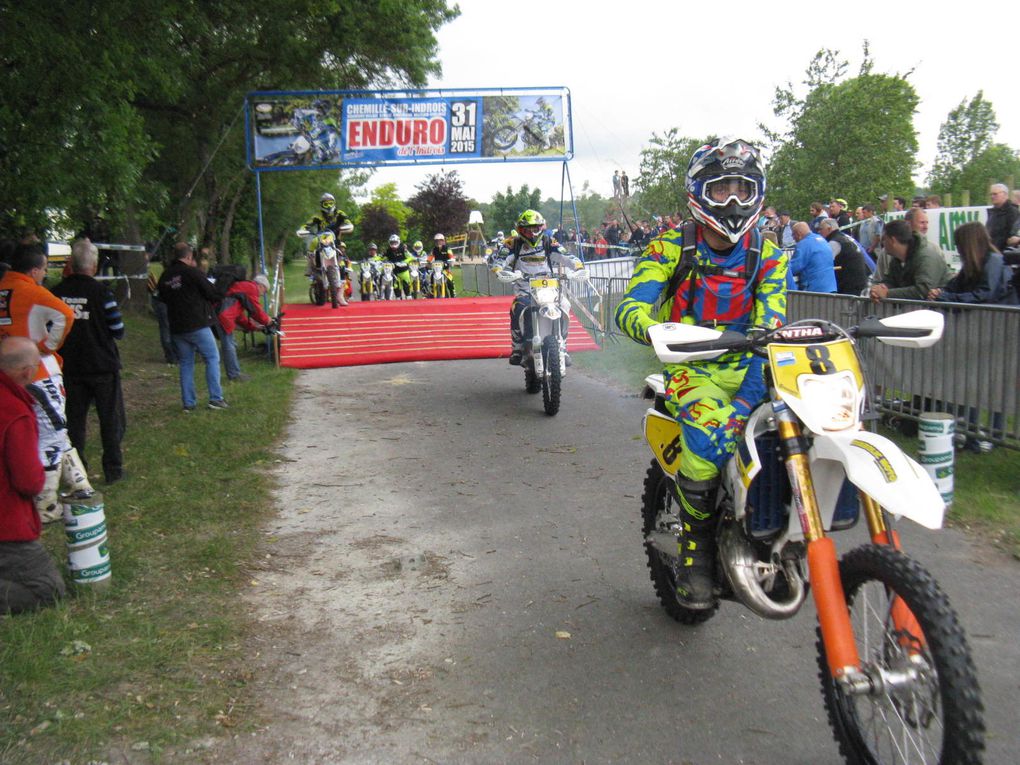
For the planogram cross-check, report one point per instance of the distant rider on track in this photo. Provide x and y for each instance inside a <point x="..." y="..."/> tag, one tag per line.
<point x="533" y="253"/>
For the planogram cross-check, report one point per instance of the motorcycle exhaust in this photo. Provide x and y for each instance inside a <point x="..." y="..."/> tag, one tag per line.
<point x="746" y="574"/>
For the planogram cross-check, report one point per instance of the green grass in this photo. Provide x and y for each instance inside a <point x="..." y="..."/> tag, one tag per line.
<point x="987" y="486"/>
<point x="165" y="663"/>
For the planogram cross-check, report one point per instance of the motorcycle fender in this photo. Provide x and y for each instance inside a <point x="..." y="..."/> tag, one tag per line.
<point x="876" y="466"/>
<point x="663" y="435"/>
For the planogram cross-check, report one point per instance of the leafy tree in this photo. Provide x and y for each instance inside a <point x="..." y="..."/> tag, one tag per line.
<point x="439" y="206"/>
<point x="376" y="223"/>
<point x="159" y="102"/>
<point x="506" y="207"/>
<point x="967" y="157"/>
<point x="853" y="138"/>
<point x="660" y="180"/>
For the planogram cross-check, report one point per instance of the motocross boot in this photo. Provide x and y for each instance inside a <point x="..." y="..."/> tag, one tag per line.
<point x="695" y="576"/>
<point x="74" y="481"/>
<point x="47" y="502"/>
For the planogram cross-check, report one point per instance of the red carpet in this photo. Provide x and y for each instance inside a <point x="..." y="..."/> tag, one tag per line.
<point x="386" y="331"/>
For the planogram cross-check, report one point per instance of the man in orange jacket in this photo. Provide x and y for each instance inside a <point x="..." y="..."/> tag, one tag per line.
<point x="27" y="309"/>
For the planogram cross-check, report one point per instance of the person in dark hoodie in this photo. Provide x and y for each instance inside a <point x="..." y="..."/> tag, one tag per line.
<point x="189" y="298"/>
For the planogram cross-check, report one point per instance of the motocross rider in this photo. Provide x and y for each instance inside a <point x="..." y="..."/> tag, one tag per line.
<point x="328" y="218"/>
<point x="401" y="258"/>
<point x="333" y="260"/>
<point x="442" y="253"/>
<point x="718" y="271"/>
<point x="533" y="254"/>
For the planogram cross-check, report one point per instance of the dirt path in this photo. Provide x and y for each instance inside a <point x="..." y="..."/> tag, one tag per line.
<point x="455" y="577"/>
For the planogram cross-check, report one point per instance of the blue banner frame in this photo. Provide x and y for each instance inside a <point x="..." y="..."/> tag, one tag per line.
<point x="334" y="129"/>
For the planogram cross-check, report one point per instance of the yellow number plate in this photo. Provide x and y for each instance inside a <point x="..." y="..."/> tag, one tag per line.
<point x="789" y="362"/>
<point x="663" y="436"/>
<point x="540" y="283"/>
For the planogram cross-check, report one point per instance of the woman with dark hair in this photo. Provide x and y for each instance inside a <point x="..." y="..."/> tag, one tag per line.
<point x="984" y="277"/>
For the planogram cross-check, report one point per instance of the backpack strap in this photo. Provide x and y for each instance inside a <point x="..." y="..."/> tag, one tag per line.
<point x="688" y="261"/>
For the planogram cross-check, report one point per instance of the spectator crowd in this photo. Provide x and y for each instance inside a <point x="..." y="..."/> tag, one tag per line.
<point x="59" y="358"/>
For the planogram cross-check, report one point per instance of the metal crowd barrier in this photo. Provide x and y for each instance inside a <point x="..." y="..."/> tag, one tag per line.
<point x="973" y="373"/>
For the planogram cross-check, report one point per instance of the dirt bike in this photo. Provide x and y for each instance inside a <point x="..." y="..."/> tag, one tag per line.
<point x="442" y="282"/>
<point x="320" y="288"/>
<point x="366" y="279"/>
<point x="544" y="359"/>
<point x="897" y="677"/>
<point x="415" y="292"/>
<point x="386" y="281"/>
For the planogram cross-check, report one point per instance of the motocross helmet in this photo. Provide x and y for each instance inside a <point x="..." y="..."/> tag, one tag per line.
<point x="500" y="235"/>
<point x="439" y="238"/>
<point x="394" y="240"/>
<point x="726" y="186"/>
<point x="418" y="247"/>
<point x="372" y="247"/>
<point x="327" y="203"/>
<point x="531" y="225"/>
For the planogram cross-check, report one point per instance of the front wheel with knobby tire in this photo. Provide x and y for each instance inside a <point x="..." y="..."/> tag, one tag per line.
<point x="553" y="377"/>
<point x="925" y="703"/>
<point x="659" y="507"/>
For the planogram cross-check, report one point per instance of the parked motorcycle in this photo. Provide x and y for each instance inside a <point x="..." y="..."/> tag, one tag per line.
<point x="544" y="359"/>
<point x="897" y="677"/>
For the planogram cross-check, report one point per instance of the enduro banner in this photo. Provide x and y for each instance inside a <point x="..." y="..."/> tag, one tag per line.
<point x="333" y="129"/>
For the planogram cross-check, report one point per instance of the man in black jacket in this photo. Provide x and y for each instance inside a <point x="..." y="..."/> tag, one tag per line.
<point x="189" y="297"/>
<point x="1002" y="215"/>
<point x="848" y="260"/>
<point x="91" y="358"/>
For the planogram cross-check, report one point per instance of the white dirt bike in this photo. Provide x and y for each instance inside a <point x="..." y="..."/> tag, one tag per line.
<point x="897" y="677"/>
<point x="442" y="285"/>
<point x="415" y="274"/>
<point x="386" y="280"/>
<point x="544" y="359"/>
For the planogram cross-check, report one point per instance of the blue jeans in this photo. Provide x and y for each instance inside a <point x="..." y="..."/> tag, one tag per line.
<point x="187" y="343"/>
<point x="229" y="350"/>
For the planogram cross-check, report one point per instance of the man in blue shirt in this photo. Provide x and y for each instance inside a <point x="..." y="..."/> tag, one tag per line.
<point x="811" y="267"/>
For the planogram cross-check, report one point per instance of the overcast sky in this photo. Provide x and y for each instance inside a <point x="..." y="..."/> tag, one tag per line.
<point x="648" y="65"/>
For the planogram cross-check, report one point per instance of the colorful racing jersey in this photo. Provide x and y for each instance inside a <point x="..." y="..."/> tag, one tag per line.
<point x="401" y="258"/>
<point x="718" y="292"/>
<point x="338" y="223"/>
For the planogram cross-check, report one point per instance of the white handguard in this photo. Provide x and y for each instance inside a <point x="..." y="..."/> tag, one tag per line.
<point x="578" y="275"/>
<point x="508" y="276"/>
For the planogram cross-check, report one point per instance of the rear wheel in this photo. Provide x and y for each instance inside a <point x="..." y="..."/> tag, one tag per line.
<point x="928" y="709"/>
<point x="553" y="377"/>
<point x="333" y="300"/>
<point x="658" y="510"/>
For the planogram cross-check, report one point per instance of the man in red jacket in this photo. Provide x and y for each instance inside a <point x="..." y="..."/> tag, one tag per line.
<point x="28" y="576"/>
<point x="242" y="307"/>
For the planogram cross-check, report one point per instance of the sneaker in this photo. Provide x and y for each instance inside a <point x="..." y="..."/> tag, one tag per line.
<point x="240" y="378"/>
<point x="114" y="476"/>
<point x="220" y="404"/>
<point x="515" y="357"/>
<point x="189" y="408"/>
